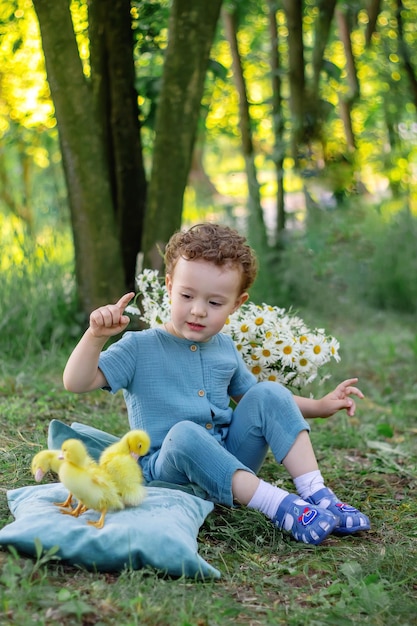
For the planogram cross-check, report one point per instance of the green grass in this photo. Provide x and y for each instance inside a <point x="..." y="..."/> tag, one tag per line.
<point x="267" y="578"/>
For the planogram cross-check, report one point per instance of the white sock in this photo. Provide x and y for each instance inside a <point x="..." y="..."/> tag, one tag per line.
<point x="267" y="499"/>
<point x="309" y="483"/>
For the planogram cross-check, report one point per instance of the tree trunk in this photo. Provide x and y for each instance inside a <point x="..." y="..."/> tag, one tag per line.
<point x="115" y="103"/>
<point x="321" y="37"/>
<point x="256" y="225"/>
<point x="373" y="8"/>
<point x="343" y="22"/>
<point x="345" y="114"/>
<point x="277" y="119"/>
<point x="307" y="109"/>
<point x="294" y="16"/>
<point x="191" y="30"/>
<point x="204" y="188"/>
<point x="405" y="54"/>
<point x="17" y="201"/>
<point x="346" y="103"/>
<point x="99" y="269"/>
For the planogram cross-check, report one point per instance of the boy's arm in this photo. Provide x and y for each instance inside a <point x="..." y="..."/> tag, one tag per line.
<point x="81" y="371"/>
<point x="335" y="401"/>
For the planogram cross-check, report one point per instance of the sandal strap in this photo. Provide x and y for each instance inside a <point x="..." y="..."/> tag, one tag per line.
<point x="305" y="522"/>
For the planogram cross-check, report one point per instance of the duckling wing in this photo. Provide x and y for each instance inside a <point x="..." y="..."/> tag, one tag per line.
<point x="127" y="476"/>
<point x="103" y="491"/>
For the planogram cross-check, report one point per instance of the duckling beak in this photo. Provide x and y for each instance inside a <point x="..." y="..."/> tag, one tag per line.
<point x="39" y="474"/>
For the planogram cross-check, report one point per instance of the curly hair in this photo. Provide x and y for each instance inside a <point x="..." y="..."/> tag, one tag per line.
<point x="215" y="243"/>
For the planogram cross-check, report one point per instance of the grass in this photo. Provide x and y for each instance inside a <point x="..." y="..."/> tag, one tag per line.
<point x="370" y="460"/>
<point x="267" y="578"/>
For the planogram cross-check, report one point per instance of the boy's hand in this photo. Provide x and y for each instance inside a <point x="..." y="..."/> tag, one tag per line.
<point x="109" y="320"/>
<point x="339" y="399"/>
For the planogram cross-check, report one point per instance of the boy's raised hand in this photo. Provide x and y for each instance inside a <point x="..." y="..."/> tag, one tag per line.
<point x="109" y="320"/>
<point x="340" y="398"/>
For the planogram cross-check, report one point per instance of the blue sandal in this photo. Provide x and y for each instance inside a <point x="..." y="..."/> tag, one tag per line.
<point x="349" y="519"/>
<point x="306" y="523"/>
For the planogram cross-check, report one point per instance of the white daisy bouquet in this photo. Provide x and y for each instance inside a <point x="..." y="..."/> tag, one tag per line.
<point x="274" y="343"/>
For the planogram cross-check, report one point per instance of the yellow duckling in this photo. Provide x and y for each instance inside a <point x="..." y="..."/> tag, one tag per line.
<point x="89" y="483"/>
<point x="44" y="462"/>
<point x="121" y="462"/>
<point x="48" y="461"/>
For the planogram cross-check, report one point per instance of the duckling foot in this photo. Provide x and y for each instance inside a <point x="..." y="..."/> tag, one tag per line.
<point x="99" y="523"/>
<point x="66" y="504"/>
<point x="79" y="510"/>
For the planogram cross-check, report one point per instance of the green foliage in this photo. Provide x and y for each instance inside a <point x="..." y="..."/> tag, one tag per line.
<point x="354" y="253"/>
<point x="392" y="272"/>
<point x="383" y="117"/>
<point x="31" y="181"/>
<point x="38" y="307"/>
<point x="30" y="582"/>
<point x="149" y="26"/>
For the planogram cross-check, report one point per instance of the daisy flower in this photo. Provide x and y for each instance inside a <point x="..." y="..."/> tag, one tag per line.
<point x="317" y="349"/>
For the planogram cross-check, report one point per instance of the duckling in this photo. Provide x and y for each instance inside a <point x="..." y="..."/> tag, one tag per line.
<point x="89" y="483"/>
<point x="121" y="462"/>
<point x="44" y="462"/>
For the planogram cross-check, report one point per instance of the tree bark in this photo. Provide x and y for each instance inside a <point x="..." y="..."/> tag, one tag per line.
<point x="307" y="109"/>
<point x="18" y="201"/>
<point x="343" y="22"/>
<point x="99" y="269"/>
<point x="374" y="7"/>
<point x="191" y="30"/>
<point x="277" y="118"/>
<point x="294" y="16"/>
<point x="346" y="103"/>
<point x="405" y="54"/>
<point x="321" y="37"/>
<point x="256" y="225"/>
<point x="204" y="188"/>
<point x="116" y="106"/>
<point x="345" y="114"/>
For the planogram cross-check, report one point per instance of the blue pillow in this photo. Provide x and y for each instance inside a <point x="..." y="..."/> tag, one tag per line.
<point x="160" y="533"/>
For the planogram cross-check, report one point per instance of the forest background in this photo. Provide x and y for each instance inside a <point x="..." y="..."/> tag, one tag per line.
<point x="293" y="121"/>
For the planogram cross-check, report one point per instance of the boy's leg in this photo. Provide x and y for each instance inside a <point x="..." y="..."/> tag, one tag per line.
<point x="190" y="454"/>
<point x="310" y="486"/>
<point x="268" y="416"/>
<point x="306" y="522"/>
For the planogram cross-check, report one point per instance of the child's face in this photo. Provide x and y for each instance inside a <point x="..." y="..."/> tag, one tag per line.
<point x="203" y="295"/>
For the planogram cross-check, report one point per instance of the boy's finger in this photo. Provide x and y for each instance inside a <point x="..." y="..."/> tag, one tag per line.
<point x="124" y="300"/>
<point x="355" y="391"/>
<point x="348" y="382"/>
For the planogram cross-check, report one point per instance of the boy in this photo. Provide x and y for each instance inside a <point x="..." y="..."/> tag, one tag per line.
<point x="178" y="382"/>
